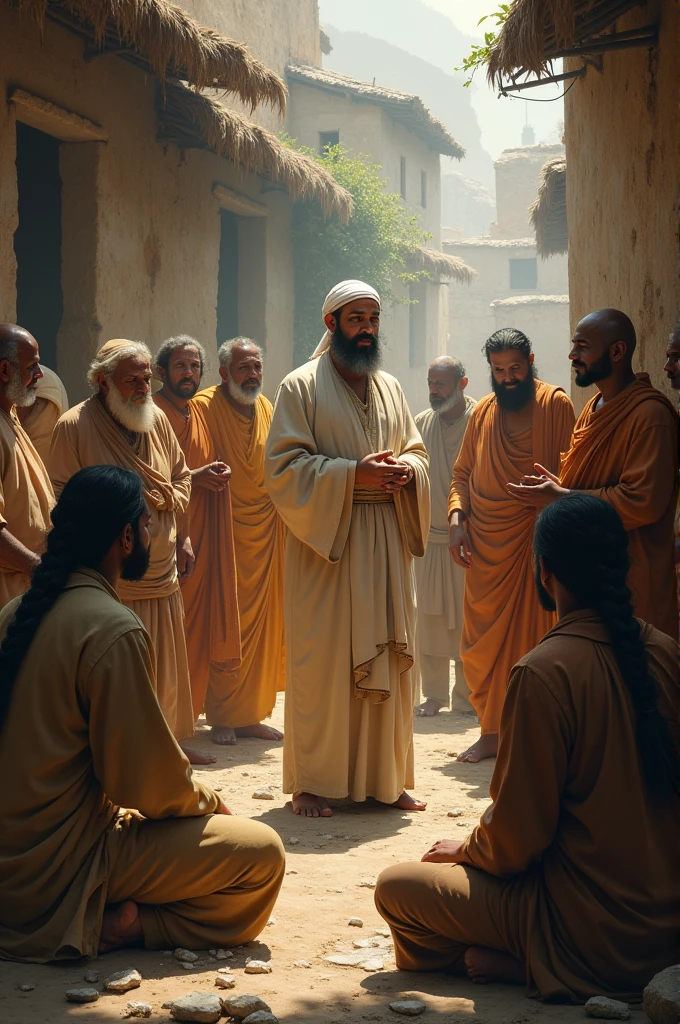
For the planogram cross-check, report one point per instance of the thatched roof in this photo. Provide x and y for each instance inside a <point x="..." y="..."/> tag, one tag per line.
<point x="440" y="264"/>
<point x="548" y="212"/>
<point x="539" y="31"/>
<point x="164" y="39"/>
<point x="407" y="110"/>
<point x="487" y="242"/>
<point x="197" y="121"/>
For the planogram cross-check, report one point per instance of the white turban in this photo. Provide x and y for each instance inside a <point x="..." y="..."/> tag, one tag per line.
<point x="346" y="291"/>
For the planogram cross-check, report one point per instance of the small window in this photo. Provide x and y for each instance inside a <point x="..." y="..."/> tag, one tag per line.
<point x="423" y="189"/>
<point x="523" y="274"/>
<point x="402" y="177"/>
<point x="327" y="140"/>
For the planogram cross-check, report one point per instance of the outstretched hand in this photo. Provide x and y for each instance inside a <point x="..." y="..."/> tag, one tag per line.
<point x="539" y="490"/>
<point x="213" y="477"/>
<point x="444" y="851"/>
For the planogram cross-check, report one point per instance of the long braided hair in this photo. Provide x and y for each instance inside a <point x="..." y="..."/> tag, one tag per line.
<point x="94" y="508"/>
<point x="581" y="540"/>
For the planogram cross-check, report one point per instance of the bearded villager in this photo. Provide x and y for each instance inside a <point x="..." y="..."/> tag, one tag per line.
<point x="40" y="418"/>
<point x="120" y="425"/>
<point x="107" y="840"/>
<point x="440" y="583"/>
<point x="211" y="622"/>
<point x="347" y="470"/>
<point x="238" y="417"/>
<point x="625" y="450"/>
<point x="523" y="422"/>
<point x="26" y="495"/>
<point x="555" y="889"/>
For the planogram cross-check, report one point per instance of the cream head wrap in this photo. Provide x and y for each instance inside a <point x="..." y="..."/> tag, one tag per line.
<point x="346" y="291"/>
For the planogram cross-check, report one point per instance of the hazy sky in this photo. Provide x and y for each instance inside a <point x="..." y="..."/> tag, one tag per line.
<point x="465" y="13"/>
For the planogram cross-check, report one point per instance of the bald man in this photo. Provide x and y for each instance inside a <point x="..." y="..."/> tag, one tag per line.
<point x="26" y="495"/>
<point x="625" y="450"/>
<point x="440" y="583"/>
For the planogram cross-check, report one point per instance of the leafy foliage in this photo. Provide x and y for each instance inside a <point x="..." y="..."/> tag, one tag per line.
<point x="479" y="56"/>
<point x="374" y="246"/>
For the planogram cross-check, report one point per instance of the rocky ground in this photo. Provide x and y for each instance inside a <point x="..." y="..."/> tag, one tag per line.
<point x="331" y="864"/>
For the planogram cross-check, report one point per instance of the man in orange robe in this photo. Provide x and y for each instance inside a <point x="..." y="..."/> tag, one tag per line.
<point x="211" y="621"/>
<point x="491" y="530"/>
<point x="625" y="450"/>
<point x="238" y="419"/>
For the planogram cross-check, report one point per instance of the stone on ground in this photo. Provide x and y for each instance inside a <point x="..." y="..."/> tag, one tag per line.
<point x="243" y="1006"/>
<point x="373" y="963"/>
<point x="258" y="967"/>
<point x="261" y="1017"/>
<point x="92" y="977"/>
<point x="661" y="998"/>
<point x="408" y="1007"/>
<point x="367" y="883"/>
<point x="263" y="793"/>
<point x="198" y="1006"/>
<point x="137" y="1009"/>
<point x="225" y="981"/>
<point x="82" y="995"/>
<point x="455" y="812"/>
<point x="223" y="954"/>
<point x="123" y="981"/>
<point x="355" y="922"/>
<point x="301" y="963"/>
<point x="186" y="955"/>
<point x="607" y="1009"/>
<point x="26" y="987"/>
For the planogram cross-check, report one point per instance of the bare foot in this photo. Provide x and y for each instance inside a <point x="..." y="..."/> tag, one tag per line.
<point x="485" y="965"/>
<point x="429" y="709"/>
<point x="408" y="803"/>
<point x="121" y="926"/>
<point x="486" y="746"/>
<point x="197" y="756"/>
<point x="260" y="731"/>
<point x="222" y="736"/>
<point x="309" y="806"/>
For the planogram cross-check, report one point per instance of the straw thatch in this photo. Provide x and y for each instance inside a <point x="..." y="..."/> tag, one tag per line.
<point x="538" y="31"/>
<point x="198" y="121"/>
<point x="168" y="41"/>
<point x="548" y="212"/>
<point x="440" y="264"/>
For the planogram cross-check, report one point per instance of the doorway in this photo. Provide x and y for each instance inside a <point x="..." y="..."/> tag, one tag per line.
<point x="38" y="239"/>
<point x="227" y="278"/>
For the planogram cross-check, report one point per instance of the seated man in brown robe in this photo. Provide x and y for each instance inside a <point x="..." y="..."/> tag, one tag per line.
<point x="570" y="883"/>
<point x="107" y="840"/>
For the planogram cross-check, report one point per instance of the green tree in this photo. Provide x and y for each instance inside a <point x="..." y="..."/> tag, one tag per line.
<point x="374" y="246"/>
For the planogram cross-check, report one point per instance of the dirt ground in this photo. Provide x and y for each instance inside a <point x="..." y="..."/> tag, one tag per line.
<point x="321" y="892"/>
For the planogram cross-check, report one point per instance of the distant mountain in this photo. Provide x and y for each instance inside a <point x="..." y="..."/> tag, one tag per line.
<point x="367" y="58"/>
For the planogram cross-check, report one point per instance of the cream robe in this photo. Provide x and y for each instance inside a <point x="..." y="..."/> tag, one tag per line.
<point x="40" y="419"/>
<point x="88" y="436"/>
<point x="26" y="498"/>
<point x="349" y="588"/>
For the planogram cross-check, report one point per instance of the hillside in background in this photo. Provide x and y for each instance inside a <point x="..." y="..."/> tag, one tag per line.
<point x="368" y="58"/>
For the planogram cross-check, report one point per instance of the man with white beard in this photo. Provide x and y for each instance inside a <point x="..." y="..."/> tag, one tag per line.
<point x="26" y="495"/>
<point x="119" y="425"/>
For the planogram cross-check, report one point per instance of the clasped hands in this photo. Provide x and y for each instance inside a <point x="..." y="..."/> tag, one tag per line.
<point x="213" y="477"/>
<point x="539" y="490"/>
<point x="381" y="471"/>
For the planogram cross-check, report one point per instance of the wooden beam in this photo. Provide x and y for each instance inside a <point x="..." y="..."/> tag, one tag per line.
<point x="230" y="199"/>
<point x="53" y="120"/>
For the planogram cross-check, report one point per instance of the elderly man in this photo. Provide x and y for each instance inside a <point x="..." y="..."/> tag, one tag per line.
<point x="625" y="450"/>
<point x="120" y="425"/>
<point x="211" y="622"/>
<point x="440" y="583"/>
<point x="347" y="470"/>
<point x="524" y="421"/>
<point x="40" y="418"/>
<point x="26" y="495"/>
<point x="238" y="418"/>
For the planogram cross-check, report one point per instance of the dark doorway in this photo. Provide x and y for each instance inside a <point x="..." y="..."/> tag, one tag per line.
<point x="227" y="278"/>
<point x="37" y="240"/>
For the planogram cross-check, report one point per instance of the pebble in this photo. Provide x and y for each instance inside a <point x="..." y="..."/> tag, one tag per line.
<point x="271" y="921"/>
<point x="225" y="981"/>
<point x="455" y="812"/>
<point x="82" y="995"/>
<point x="302" y="963"/>
<point x="608" y="1009"/>
<point x="223" y="954"/>
<point x="366" y="943"/>
<point x="92" y="977"/>
<point x="293" y="841"/>
<point x="661" y="998"/>
<point x="186" y="956"/>
<point x="452" y="753"/>
<point x="385" y="932"/>
<point x="264" y="793"/>
<point x="189" y="967"/>
<point x="355" y="922"/>
<point x="461" y="824"/>
<point x="408" y="1007"/>
<point x="224" y="970"/>
<point x="243" y="1006"/>
<point x="199" y="1006"/>
<point x="123" y="981"/>
<point x="135" y="1009"/>
<point x="261" y="1017"/>
<point x="29" y="988"/>
<point x="374" y="963"/>
<point x="292" y="871"/>
<point x="325" y="835"/>
<point x="258" y="967"/>
<point x="367" y="883"/>
<point x="245" y="774"/>
<point x="359" y="958"/>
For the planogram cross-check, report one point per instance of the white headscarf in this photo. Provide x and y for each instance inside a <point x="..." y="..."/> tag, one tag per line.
<point x="346" y="291"/>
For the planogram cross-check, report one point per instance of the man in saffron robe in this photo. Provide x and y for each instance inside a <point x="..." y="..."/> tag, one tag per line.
<point x="440" y="583"/>
<point x="347" y="470"/>
<point x="625" y="450"/>
<point x="119" y="425"/>
<point x="40" y="419"/>
<point x="238" y="418"/>
<point x="26" y="495"/>
<point x="211" y="622"/>
<point x="491" y="529"/>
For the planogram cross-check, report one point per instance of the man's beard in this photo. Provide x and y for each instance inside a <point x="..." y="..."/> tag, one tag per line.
<point x="18" y="393"/>
<point x="361" y="361"/>
<point x="186" y="392"/>
<point x="599" y="370"/>
<point x="244" y="396"/>
<point x="138" y="417"/>
<point x="517" y="397"/>
<point x="544" y="599"/>
<point x="137" y="562"/>
<point x="442" y="405"/>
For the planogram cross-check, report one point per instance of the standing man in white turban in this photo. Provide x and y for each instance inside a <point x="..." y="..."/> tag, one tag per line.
<point x="348" y="473"/>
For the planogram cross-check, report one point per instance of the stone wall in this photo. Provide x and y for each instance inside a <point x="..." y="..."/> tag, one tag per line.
<point x="545" y="321"/>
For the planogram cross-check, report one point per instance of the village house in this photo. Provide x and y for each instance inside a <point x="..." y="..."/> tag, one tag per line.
<point x="133" y="205"/>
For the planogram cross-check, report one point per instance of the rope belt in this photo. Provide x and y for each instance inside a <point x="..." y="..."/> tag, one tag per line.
<point x="367" y="496"/>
